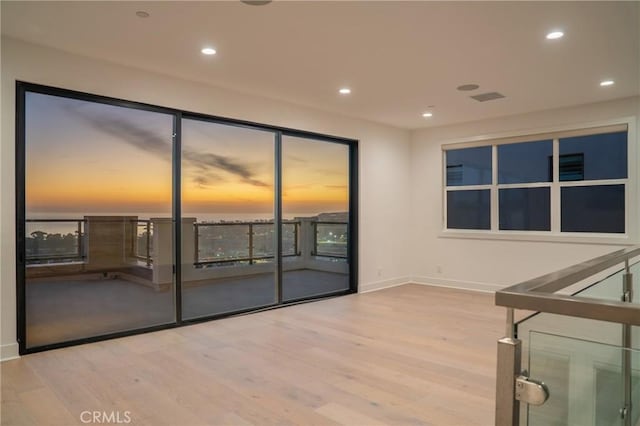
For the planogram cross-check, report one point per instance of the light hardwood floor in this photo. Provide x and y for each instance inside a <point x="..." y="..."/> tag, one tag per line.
<point x="406" y="355"/>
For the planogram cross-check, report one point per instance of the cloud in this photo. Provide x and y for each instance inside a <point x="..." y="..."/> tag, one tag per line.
<point x="206" y="179"/>
<point x="296" y="159"/>
<point x="160" y="145"/>
<point x="206" y="160"/>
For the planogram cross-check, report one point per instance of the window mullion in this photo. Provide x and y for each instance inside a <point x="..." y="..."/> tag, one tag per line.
<point x="495" y="217"/>
<point x="555" y="189"/>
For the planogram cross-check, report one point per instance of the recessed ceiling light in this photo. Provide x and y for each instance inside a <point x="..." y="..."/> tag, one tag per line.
<point x="468" y="87"/>
<point x="208" y="51"/>
<point x="607" y="83"/>
<point x="256" y="2"/>
<point x="142" y="14"/>
<point x="344" y="91"/>
<point x="427" y="114"/>
<point x="553" y="35"/>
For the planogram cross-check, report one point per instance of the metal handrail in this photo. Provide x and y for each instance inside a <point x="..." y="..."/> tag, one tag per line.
<point x="539" y="294"/>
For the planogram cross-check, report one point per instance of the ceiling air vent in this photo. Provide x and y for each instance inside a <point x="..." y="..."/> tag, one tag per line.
<point x="483" y="97"/>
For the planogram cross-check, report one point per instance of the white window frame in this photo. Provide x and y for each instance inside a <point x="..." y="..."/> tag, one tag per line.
<point x="630" y="237"/>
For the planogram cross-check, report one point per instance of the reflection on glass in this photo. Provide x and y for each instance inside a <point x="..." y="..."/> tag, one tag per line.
<point x="603" y="156"/>
<point x="228" y="240"/>
<point x="469" y="209"/>
<point x="315" y="184"/>
<point x="571" y="167"/>
<point x="98" y="240"/>
<point x="598" y="208"/>
<point x="469" y="166"/>
<point x="584" y="378"/>
<point x="525" y="209"/>
<point x="525" y="162"/>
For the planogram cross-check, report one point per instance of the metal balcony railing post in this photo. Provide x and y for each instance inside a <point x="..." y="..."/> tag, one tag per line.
<point x="80" y="248"/>
<point x="196" y="243"/>
<point x="314" y="225"/>
<point x="134" y="240"/>
<point x="296" y="228"/>
<point x="251" y="244"/>
<point x="509" y="356"/>
<point x="148" y="248"/>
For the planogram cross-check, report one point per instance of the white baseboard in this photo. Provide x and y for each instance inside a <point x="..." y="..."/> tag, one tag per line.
<point x="9" y="351"/>
<point x="464" y="285"/>
<point x="379" y="285"/>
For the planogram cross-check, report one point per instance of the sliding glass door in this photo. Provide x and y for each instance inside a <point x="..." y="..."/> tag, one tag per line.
<point x="98" y="247"/>
<point x="132" y="217"/>
<point x="228" y="233"/>
<point x="315" y="200"/>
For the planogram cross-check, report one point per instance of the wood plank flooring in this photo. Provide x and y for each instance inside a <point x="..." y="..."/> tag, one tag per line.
<point x="408" y="355"/>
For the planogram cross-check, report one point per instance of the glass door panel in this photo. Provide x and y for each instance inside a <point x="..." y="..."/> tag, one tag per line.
<point x="98" y="212"/>
<point x="315" y="213"/>
<point x="228" y="235"/>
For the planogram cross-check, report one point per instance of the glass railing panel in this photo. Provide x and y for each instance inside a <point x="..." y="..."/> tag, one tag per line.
<point x="54" y="241"/>
<point x="585" y="381"/>
<point x="609" y="288"/>
<point x="331" y="239"/>
<point x="635" y="270"/>
<point x="580" y="328"/>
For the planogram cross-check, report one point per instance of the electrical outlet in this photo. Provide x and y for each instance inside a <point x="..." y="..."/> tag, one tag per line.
<point x="379" y="272"/>
<point x="438" y="269"/>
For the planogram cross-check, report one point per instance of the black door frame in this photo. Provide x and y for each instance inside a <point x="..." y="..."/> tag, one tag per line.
<point x="178" y="115"/>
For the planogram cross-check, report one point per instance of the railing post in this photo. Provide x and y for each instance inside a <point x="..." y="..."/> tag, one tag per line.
<point x="196" y="243"/>
<point x="627" y="296"/>
<point x="296" y="227"/>
<point x="148" y="248"/>
<point x="251" y="244"/>
<point x="80" y="248"/>
<point x="314" y="225"/>
<point x="134" y="240"/>
<point x="509" y="355"/>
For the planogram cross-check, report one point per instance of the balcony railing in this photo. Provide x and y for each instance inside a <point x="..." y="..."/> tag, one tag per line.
<point x="330" y="239"/>
<point x="62" y="244"/>
<point x="241" y="242"/>
<point x="141" y="244"/>
<point x="64" y="240"/>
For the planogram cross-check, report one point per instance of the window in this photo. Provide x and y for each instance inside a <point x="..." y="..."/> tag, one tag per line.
<point x="525" y="209"/>
<point x="554" y="184"/>
<point x="471" y="166"/>
<point x="469" y="209"/>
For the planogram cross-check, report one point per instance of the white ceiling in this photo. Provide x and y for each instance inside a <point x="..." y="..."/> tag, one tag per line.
<point x="398" y="57"/>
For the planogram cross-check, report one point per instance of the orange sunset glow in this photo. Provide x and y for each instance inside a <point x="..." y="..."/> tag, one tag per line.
<point x="89" y="158"/>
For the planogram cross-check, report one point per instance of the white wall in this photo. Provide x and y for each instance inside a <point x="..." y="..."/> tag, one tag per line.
<point x="491" y="264"/>
<point x="384" y="154"/>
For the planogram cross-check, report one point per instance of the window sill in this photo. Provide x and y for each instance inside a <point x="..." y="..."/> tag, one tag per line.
<point x="533" y="236"/>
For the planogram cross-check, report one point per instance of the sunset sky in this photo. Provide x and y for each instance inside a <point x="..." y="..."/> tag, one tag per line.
<point x="93" y="158"/>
